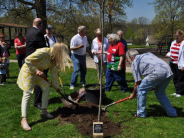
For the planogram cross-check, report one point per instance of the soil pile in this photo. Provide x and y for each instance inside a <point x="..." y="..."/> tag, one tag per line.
<point x="84" y="116"/>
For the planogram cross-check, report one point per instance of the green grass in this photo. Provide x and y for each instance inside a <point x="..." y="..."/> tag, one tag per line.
<point x="156" y="125"/>
<point x="13" y="53"/>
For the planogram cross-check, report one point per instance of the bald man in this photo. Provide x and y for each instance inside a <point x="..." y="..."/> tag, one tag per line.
<point x="34" y="40"/>
<point x="123" y="41"/>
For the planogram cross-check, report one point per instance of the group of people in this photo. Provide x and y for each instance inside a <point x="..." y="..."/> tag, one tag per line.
<point x="114" y="46"/>
<point x="41" y="53"/>
<point x="157" y="74"/>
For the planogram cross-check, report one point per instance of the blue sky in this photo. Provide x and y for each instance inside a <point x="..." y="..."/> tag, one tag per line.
<point x="140" y="9"/>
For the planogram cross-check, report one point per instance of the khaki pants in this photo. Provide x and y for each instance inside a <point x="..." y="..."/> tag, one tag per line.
<point x="98" y="67"/>
<point x="26" y="98"/>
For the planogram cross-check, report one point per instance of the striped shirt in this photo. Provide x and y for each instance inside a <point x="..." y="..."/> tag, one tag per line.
<point x="175" y="47"/>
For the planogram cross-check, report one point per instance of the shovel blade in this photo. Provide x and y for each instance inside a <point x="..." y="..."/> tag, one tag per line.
<point x="65" y="102"/>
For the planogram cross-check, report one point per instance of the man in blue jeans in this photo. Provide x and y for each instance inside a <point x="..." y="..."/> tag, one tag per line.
<point x="78" y="46"/>
<point x="157" y="73"/>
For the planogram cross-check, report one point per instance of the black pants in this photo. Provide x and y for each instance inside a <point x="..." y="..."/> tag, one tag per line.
<point x="21" y="59"/>
<point x="38" y="92"/>
<point x="178" y="79"/>
<point x="2" y="78"/>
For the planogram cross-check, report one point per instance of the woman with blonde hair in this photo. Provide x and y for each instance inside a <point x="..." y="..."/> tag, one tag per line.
<point x="96" y="50"/>
<point x="32" y="71"/>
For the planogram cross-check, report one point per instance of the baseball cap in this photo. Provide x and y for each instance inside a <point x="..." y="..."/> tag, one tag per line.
<point x="49" y="26"/>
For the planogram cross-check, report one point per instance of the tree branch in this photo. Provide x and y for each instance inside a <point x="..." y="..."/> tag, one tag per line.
<point x="26" y="2"/>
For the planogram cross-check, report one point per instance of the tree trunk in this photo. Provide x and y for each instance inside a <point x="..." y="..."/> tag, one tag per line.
<point x="110" y="22"/>
<point x="40" y="6"/>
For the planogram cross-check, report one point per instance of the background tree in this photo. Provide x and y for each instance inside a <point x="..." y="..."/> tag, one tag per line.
<point x="168" y="18"/>
<point x="67" y="15"/>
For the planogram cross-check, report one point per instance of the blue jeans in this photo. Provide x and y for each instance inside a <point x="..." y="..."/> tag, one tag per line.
<point x="79" y="64"/>
<point x="119" y="76"/>
<point x="160" y="86"/>
<point x="21" y="59"/>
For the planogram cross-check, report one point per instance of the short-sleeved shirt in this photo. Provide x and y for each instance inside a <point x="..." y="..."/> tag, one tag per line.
<point x="76" y="41"/>
<point x="118" y="50"/>
<point x="19" y="43"/>
<point x="151" y="67"/>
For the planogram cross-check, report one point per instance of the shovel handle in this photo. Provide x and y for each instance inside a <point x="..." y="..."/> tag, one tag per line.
<point x="49" y="82"/>
<point x="60" y="81"/>
<point x="122" y="100"/>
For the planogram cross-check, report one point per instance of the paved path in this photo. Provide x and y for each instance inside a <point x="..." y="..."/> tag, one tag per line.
<point x="90" y="62"/>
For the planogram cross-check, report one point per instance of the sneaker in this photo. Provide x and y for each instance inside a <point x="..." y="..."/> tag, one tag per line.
<point x="1" y="83"/>
<point x="178" y="95"/>
<point x="83" y="85"/>
<point x="174" y="94"/>
<point x="71" y="87"/>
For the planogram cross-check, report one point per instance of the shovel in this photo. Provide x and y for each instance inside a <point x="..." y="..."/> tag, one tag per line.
<point x="65" y="100"/>
<point x="104" y="109"/>
<point x="62" y="85"/>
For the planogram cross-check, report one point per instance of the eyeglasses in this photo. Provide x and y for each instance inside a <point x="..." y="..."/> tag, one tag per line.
<point x="2" y="37"/>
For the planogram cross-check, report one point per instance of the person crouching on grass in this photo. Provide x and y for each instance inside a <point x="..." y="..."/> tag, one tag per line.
<point x="32" y="71"/>
<point x="157" y="73"/>
<point x="2" y="70"/>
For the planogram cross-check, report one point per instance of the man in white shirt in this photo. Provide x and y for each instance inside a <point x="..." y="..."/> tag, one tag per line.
<point x="49" y="38"/>
<point x="78" y="46"/>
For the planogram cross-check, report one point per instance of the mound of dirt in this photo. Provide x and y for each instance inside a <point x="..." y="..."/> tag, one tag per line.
<point x="83" y="117"/>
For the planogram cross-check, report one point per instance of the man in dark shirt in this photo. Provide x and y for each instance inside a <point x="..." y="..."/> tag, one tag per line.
<point x="34" y="40"/>
<point x="123" y="41"/>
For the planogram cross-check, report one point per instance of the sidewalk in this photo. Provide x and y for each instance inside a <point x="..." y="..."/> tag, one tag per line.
<point x="90" y="64"/>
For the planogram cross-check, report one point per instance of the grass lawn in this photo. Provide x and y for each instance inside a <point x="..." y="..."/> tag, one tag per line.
<point x="157" y="124"/>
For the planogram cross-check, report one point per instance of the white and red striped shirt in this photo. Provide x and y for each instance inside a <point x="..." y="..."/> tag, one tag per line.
<point x="175" y="47"/>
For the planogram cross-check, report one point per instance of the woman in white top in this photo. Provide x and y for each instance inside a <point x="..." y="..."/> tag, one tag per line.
<point x="96" y="49"/>
<point x="176" y="62"/>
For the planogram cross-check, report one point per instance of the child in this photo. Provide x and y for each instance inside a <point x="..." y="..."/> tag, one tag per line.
<point x="2" y="70"/>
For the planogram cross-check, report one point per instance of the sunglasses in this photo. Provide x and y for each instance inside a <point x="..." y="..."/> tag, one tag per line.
<point x="2" y="37"/>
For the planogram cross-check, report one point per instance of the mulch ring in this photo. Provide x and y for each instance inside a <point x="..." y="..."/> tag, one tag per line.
<point x="84" y="116"/>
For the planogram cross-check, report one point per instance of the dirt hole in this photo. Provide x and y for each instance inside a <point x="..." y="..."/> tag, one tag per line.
<point x="84" y="116"/>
